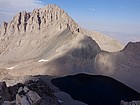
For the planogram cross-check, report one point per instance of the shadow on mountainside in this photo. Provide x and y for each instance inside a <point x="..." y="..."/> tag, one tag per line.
<point x="96" y="89"/>
<point x="77" y="58"/>
<point x="89" y="58"/>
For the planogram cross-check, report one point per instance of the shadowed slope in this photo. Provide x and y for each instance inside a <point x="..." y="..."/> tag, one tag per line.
<point x="95" y="90"/>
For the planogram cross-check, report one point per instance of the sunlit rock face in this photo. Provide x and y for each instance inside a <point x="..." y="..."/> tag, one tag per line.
<point x="32" y="32"/>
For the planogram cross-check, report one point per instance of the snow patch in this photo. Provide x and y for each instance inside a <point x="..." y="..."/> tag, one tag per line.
<point x="10" y="68"/>
<point x="43" y="60"/>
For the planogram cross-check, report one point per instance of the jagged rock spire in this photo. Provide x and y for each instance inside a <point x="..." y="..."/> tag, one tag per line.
<point x="39" y="19"/>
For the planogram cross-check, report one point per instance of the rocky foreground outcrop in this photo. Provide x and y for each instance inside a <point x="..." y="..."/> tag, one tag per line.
<point x="34" y="91"/>
<point x="30" y="93"/>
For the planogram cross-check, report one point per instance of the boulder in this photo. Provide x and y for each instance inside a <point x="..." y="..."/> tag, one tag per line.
<point x="22" y="100"/>
<point x="33" y="97"/>
<point x="44" y="94"/>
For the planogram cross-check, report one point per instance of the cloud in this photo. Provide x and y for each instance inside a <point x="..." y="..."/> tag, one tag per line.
<point x="9" y="8"/>
<point x="92" y="9"/>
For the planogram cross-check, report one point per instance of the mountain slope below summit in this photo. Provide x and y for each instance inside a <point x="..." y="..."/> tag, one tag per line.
<point x="31" y="35"/>
<point x="42" y="32"/>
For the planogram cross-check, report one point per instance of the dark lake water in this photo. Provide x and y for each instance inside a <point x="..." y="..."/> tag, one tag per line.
<point x="96" y="89"/>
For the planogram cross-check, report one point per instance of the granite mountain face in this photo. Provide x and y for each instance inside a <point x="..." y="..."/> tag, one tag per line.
<point x="48" y="41"/>
<point x="37" y="33"/>
<point x="34" y="32"/>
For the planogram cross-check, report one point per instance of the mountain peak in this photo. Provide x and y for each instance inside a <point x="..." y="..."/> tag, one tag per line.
<point x="28" y="30"/>
<point x="40" y="19"/>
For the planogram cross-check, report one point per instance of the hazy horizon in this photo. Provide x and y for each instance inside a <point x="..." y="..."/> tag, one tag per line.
<point x="120" y="16"/>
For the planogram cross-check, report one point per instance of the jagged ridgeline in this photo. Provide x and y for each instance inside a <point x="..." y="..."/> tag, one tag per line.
<point x="38" y="19"/>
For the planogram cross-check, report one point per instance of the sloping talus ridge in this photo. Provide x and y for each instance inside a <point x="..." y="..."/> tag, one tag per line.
<point x="48" y="41"/>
